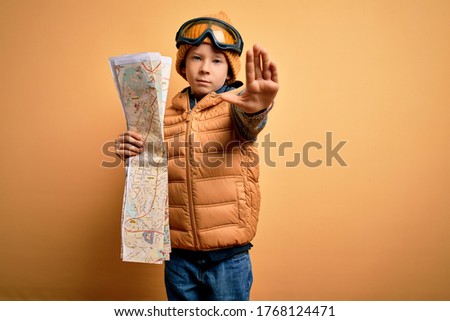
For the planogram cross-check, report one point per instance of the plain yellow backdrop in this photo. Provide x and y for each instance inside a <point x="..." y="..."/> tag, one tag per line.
<point x="375" y="74"/>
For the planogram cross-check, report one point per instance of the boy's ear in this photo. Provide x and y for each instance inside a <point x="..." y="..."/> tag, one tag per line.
<point x="183" y="69"/>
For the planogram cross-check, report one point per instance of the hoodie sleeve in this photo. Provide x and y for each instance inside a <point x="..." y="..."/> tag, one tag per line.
<point x="250" y="125"/>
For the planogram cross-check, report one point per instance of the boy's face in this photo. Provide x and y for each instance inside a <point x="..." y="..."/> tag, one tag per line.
<point x="206" y="69"/>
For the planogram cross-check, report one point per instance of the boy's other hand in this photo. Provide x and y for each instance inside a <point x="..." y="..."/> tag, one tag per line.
<point x="262" y="82"/>
<point x="128" y="144"/>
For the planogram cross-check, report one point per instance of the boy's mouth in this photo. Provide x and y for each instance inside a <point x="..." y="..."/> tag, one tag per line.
<point x="202" y="82"/>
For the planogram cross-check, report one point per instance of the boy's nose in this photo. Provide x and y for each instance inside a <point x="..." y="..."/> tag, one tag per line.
<point x="205" y="67"/>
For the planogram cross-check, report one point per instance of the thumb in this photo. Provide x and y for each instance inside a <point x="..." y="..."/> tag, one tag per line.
<point x="231" y="98"/>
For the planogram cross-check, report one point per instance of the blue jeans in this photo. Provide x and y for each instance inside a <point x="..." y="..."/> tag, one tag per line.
<point x="200" y="280"/>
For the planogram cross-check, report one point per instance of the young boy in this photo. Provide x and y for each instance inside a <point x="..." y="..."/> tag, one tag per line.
<point x="209" y="130"/>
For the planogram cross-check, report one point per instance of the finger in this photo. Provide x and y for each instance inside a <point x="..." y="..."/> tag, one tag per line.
<point x="132" y="138"/>
<point x="125" y="154"/>
<point x="257" y="61"/>
<point x="266" y="72"/>
<point x="274" y="71"/>
<point x="132" y="134"/>
<point x="231" y="98"/>
<point x="249" y="67"/>
<point x="129" y="147"/>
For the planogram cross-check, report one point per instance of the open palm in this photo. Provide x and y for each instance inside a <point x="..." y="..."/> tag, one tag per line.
<point x="262" y="82"/>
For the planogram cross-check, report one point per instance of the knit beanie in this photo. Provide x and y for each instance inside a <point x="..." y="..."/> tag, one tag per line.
<point x="232" y="57"/>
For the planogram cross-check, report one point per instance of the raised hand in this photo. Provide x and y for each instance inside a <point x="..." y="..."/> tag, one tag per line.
<point x="262" y="82"/>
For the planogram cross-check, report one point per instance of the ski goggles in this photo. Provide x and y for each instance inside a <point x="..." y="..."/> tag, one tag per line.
<point x="223" y="35"/>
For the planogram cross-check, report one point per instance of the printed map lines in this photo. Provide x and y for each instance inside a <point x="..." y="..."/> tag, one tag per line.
<point x="142" y="83"/>
<point x="151" y="207"/>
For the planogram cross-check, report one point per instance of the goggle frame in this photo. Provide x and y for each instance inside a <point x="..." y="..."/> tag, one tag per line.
<point x="181" y="40"/>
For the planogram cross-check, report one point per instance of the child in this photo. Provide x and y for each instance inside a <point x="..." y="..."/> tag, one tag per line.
<point x="210" y="130"/>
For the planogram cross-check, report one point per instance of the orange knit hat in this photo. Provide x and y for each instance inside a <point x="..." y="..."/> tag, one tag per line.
<point x="232" y="57"/>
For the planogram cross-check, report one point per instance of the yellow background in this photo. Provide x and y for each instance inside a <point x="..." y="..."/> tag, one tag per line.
<point x="374" y="73"/>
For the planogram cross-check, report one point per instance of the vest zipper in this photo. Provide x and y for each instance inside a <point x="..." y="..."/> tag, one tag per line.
<point x="189" y="154"/>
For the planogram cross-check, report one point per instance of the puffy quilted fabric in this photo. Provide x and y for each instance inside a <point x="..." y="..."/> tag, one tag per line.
<point x="214" y="195"/>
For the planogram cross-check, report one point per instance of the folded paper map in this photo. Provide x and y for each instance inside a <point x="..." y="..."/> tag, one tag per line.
<point x="142" y="81"/>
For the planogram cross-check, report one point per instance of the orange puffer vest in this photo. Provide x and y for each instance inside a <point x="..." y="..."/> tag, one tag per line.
<point x="214" y="195"/>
